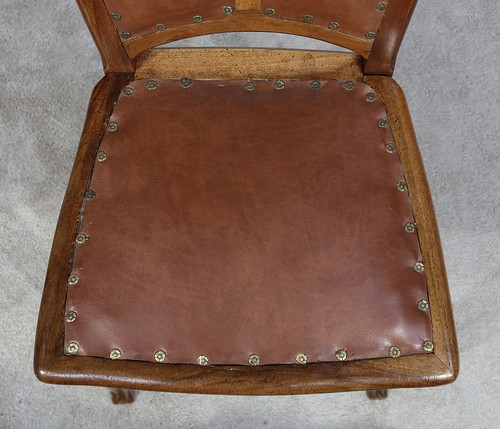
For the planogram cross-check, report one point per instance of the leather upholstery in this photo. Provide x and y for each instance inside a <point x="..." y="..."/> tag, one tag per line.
<point x="229" y="222"/>
<point x="140" y="20"/>
<point x="356" y="17"/>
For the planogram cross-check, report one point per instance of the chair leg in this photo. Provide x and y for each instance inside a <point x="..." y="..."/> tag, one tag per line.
<point x="377" y="394"/>
<point x="122" y="396"/>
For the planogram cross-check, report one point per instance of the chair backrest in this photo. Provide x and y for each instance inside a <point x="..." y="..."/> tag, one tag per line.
<point x="123" y="29"/>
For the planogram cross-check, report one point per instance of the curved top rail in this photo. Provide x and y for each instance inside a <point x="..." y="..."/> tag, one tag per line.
<point x="248" y="20"/>
<point x="122" y="29"/>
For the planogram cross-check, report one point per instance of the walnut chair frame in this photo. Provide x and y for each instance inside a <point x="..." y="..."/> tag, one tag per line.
<point x="372" y="63"/>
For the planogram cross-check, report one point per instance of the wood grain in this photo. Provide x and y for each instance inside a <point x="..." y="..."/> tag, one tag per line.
<point x="248" y="20"/>
<point x="113" y="55"/>
<point x="49" y="338"/>
<point x="408" y="371"/>
<point x="382" y="59"/>
<point x="443" y="326"/>
<point x="248" y="5"/>
<point x="247" y="64"/>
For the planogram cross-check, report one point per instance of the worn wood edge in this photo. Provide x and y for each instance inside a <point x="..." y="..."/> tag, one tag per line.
<point x="216" y="63"/>
<point x="382" y="59"/>
<point x="443" y="326"/>
<point x="248" y="20"/>
<point x="113" y="55"/>
<point x="408" y="371"/>
<point x="49" y="335"/>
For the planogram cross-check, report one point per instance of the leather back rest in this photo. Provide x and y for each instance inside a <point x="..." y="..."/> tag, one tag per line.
<point x="372" y="28"/>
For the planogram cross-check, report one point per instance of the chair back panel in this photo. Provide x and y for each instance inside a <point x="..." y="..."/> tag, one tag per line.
<point x="354" y="17"/>
<point x="372" y="28"/>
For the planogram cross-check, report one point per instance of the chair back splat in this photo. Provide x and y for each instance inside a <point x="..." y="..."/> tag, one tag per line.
<point x="122" y="29"/>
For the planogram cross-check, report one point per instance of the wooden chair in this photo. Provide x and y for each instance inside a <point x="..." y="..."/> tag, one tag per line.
<point x="247" y="221"/>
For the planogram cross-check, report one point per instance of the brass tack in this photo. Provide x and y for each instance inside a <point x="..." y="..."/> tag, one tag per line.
<point x="316" y="85"/>
<point x="81" y="238"/>
<point x="270" y="12"/>
<point x="250" y="86"/>
<point x="73" y="279"/>
<point x="402" y="186"/>
<point x="186" y="82"/>
<point x="197" y="19"/>
<point x="72" y="347"/>
<point x="160" y="27"/>
<point x="333" y="25"/>
<point x="410" y="227"/>
<point x="254" y="359"/>
<point x="70" y="316"/>
<point x="203" y="360"/>
<point x="381" y="6"/>
<point x="227" y="10"/>
<point x="383" y="123"/>
<point x="160" y="356"/>
<point x="394" y="352"/>
<point x="428" y="346"/>
<point x="102" y="156"/>
<point x="349" y="85"/>
<point x="389" y="147"/>
<point x="370" y="97"/>
<point x="419" y="267"/>
<point x="125" y="35"/>
<point x="341" y="354"/>
<point x="90" y="194"/>
<point x="128" y="91"/>
<point x="279" y="84"/>
<point x="309" y="18"/>
<point x="115" y="354"/>
<point x="115" y="16"/>
<point x="371" y="35"/>
<point x="152" y="85"/>
<point x="301" y="358"/>
<point x="423" y="305"/>
<point x="113" y="126"/>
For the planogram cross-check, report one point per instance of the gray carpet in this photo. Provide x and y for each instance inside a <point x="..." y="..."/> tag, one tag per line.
<point x="449" y="68"/>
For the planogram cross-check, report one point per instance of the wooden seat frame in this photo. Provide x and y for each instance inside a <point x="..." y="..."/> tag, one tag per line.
<point x="125" y="61"/>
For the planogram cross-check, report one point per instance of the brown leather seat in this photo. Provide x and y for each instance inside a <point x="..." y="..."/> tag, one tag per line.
<point x="254" y="221"/>
<point x="262" y="225"/>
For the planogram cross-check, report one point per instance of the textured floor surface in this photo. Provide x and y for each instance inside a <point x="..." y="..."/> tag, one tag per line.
<point x="449" y="68"/>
